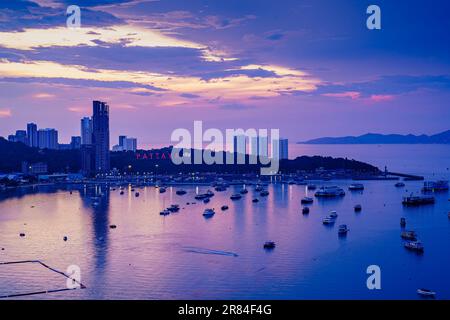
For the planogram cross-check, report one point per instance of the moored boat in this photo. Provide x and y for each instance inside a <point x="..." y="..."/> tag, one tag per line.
<point x="426" y="292"/>
<point x="305" y="210"/>
<point x="236" y="196"/>
<point x="311" y="187"/>
<point x="330" y="192"/>
<point x="269" y="245"/>
<point x="356" y="187"/>
<point x="358" y="208"/>
<point x="208" y="213"/>
<point x="181" y="192"/>
<point x="399" y="184"/>
<point x="417" y="200"/>
<point x="409" y="235"/>
<point x="402" y="222"/>
<point x="223" y="208"/>
<point x="255" y="200"/>
<point x="307" y="200"/>
<point x="264" y="193"/>
<point x="343" y="229"/>
<point x="414" y="246"/>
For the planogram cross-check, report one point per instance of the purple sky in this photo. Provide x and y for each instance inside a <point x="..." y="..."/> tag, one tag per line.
<point x="310" y="68"/>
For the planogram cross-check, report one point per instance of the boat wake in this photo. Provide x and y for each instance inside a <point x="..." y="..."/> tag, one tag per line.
<point x="209" y="251"/>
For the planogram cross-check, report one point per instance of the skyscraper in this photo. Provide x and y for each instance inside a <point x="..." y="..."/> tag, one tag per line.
<point x="32" y="135"/>
<point x="47" y="138"/>
<point x="100" y="136"/>
<point x="21" y="136"/>
<point x="122" y="141"/>
<point x="130" y="144"/>
<point x="75" y="142"/>
<point x="86" y="130"/>
<point x="281" y="151"/>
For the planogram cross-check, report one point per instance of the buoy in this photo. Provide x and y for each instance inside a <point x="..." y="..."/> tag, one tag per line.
<point x="113" y="226"/>
<point x="65" y="238"/>
<point x="22" y="234"/>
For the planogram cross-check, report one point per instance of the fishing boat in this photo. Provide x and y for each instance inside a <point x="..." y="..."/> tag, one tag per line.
<point x="409" y="235"/>
<point x="223" y="208"/>
<point x="426" y="292"/>
<point x="305" y="210"/>
<point x="269" y="245"/>
<point x="356" y="187"/>
<point x="358" y="208"/>
<point x="236" y="196"/>
<point x="307" y="200"/>
<point x="414" y="246"/>
<point x="330" y="192"/>
<point x="181" y="192"/>
<point x="417" y="200"/>
<point x="208" y="213"/>
<point x="264" y="193"/>
<point x="343" y="229"/>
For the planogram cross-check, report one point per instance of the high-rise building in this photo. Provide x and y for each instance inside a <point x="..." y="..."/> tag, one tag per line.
<point x="12" y="138"/>
<point x="48" y="138"/>
<point x="86" y="130"/>
<point x="281" y="150"/>
<point x="130" y="144"/>
<point x="122" y="141"/>
<point x="32" y="135"/>
<point x="75" y="142"/>
<point x="87" y="159"/>
<point x="21" y="136"/>
<point x="100" y="136"/>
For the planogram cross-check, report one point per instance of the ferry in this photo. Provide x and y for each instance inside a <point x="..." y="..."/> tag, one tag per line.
<point x="356" y="187"/>
<point x="417" y="200"/>
<point x="236" y="196"/>
<point x="330" y="192"/>
<point x="181" y="192"/>
<point x="414" y="246"/>
<point x="208" y="213"/>
<point x="435" y="186"/>
<point x="307" y="200"/>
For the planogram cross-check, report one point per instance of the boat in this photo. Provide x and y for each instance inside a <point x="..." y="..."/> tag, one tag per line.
<point x="291" y="182"/>
<point x="208" y="213"/>
<point x="136" y="194"/>
<point x="258" y="188"/>
<point x="243" y="191"/>
<point x="256" y="200"/>
<point x="121" y="192"/>
<point x="174" y="208"/>
<point x="414" y="246"/>
<point x="269" y="245"/>
<point x="164" y="212"/>
<point x="311" y="187"/>
<point x="236" y="196"/>
<point x="435" y="186"/>
<point x="417" y="200"/>
<point x="409" y="235"/>
<point x="305" y="210"/>
<point x="209" y="193"/>
<point x="358" y="208"/>
<point x="307" y="200"/>
<point x="206" y="200"/>
<point x="399" y="184"/>
<point x="113" y="226"/>
<point x="343" y="229"/>
<point x="328" y="220"/>
<point x="220" y="188"/>
<point x="181" y="192"/>
<point x="402" y="222"/>
<point x="223" y="208"/>
<point x="264" y="193"/>
<point x="426" y="292"/>
<point x="330" y="192"/>
<point x="356" y="187"/>
<point x="162" y="190"/>
<point x="333" y="214"/>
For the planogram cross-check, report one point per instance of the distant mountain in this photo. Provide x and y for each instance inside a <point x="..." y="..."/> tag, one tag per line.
<point x="375" y="138"/>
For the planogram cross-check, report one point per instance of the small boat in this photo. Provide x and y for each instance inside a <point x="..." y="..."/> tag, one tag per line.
<point x="174" y="208"/>
<point x="417" y="200"/>
<point x="22" y="234"/>
<point x="356" y="187"/>
<point x="65" y="238"/>
<point x="243" y="191"/>
<point x="358" y="208"/>
<point x="269" y="245"/>
<point x="162" y="190"/>
<point x="307" y="200"/>
<point x="223" y="208"/>
<point x="305" y="210"/>
<point x="402" y="222"/>
<point x="311" y="187"/>
<point x="409" y="235"/>
<point x="164" y="212"/>
<point x="258" y="188"/>
<point x="328" y="220"/>
<point x="264" y="193"/>
<point x="136" y="194"/>
<point x="399" y="185"/>
<point x="220" y="188"/>
<point x="121" y="192"/>
<point x="426" y="292"/>
<point x="236" y="196"/>
<point x="180" y="192"/>
<point x="333" y="214"/>
<point x="291" y="182"/>
<point x="343" y="229"/>
<point x="414" y="246"/>
<point x="209" y="193"/>
<point x="206" y="200"/>
<point x="330" y="192"/>
<point x="256" y="200"/>
<point x="113" y="226"/>
<point x="208" y="213"/>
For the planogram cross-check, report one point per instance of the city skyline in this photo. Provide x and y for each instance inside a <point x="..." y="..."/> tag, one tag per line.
<point x="310" y="73"/>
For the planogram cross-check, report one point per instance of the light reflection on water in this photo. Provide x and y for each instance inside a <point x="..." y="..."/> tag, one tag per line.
<point x="184" y="256"/>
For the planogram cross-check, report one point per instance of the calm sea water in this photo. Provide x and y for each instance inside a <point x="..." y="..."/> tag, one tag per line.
<point x="184" y="256"/>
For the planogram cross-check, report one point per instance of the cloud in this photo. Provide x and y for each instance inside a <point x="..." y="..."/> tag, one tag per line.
<point x="43" y="95"/>
<point x="5" y="113"/>
<point x="348" y="94"/>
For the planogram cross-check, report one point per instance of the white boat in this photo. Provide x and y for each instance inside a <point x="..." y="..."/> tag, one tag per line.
<point x="328" y="220"/>
<point x="426" y="292"/>
<point x="343" y="229"/>
<point x="208" y="213"/>
<point x="329" y="192"/>
<point x="333" y="214"/>
<point x="356" y="186"/>
<point x="414" y="246"/>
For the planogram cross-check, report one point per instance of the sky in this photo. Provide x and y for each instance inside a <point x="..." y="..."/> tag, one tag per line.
<point x="309" y="68"/>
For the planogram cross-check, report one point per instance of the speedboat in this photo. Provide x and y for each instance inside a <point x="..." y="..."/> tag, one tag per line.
<point x="409" y="235"/>
<point x="356" y="187"/>
<point x="264" y="193"/>
<point x="208" y="213"/>
<point x="330" y="192"/>
<point x="399" y="184"/>
<point x="358" y="208"/>
<point x="243" y="191"/>
<point x="307" y="200"/>
<point x="426" y="292"/>
<point x="414" y="246"/>
<point x="223" y="208"/>
<point x="305" y="210"/>
<point x="343" y="229"/>
<point x="269" y="245"/>
<point x="333" y="214"/>
<point x="236" y="196"/>
<point x="180" y="192"/>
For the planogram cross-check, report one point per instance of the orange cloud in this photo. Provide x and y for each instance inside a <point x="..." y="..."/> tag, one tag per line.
<point x="5" y="113"/>
<point x="381" y="97"/>
<point x="349" y="94"/>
